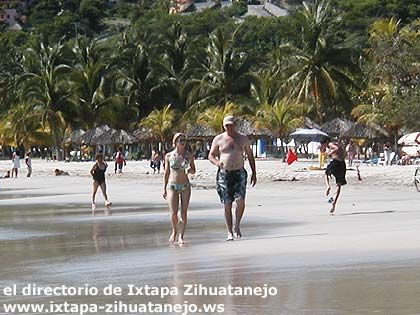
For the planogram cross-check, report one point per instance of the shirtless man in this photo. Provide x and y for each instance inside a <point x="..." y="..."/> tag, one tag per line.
<point x="226" y="153"/>
<point x="337" y="167"/>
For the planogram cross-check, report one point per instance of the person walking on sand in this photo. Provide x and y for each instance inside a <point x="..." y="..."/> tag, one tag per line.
<point x="155" y="161"/>
<point x="152" y="157"/>
<point x="337" y="167"/>
<point x="351" y="152"/>
<point x="226" y="153"/>
<point x="179" y="164"/>
<point x="98" y="174"/>
<point x="15" y="164"/>
<point x="28" y="162"/>
<point x="119" y="161"/>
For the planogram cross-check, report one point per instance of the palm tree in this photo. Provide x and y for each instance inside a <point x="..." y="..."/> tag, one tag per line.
<point x="392" y="77"/>
<point x="280" y="117"/>
<point x="226" y="73"/>
<point x="160" y="122"/>
<point x="175" y="65"/>
<point x="10" y="70"/>
<point x="213" y="116"/>
<point x="93" y="87"/>
<point x="136" y="74"/>
<point x="319" y="70"/>
<point x="24" y="126"/>
<point x="45" y="86"/>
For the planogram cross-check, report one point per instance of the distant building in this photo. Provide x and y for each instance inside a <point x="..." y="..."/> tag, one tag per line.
<point x="179" y="6"/>
<point x="9" y="16"/>
<point x="10" y="4"/>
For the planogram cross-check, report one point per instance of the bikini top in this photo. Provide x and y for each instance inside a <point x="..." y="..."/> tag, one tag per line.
<point x="178" y="164"/>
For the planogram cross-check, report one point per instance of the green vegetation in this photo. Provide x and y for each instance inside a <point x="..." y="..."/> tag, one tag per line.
<point x="82" y="63"/>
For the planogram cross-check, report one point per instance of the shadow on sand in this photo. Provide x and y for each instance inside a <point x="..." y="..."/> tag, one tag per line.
<point x="369" y="212"/>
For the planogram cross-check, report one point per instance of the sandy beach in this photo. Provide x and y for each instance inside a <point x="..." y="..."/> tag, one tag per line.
<point x="363" y="260"/>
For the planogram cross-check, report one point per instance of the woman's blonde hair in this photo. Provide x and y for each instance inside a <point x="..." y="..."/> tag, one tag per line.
<point x="176" y="136"/>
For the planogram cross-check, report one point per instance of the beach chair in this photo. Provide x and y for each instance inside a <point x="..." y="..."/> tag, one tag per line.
<point x="417" y="178"/>
<point x="393" y="158"/>
<point x="372" y="162"/>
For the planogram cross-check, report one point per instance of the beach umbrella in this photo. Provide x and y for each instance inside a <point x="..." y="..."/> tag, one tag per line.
<point x="75" y="136"/>
<point x="92" y="135"/>
<point x="144" y="134"/>
<point x="113" y="136"/>
<point x="308" y="135"/>
<point x="200" y="132"/>
<point x="410" y="139"/>
<point x="337" y="127"/>
<point x="310" y="124"/>
<point x="245" y="127"/>
<point x="361" y="131"/>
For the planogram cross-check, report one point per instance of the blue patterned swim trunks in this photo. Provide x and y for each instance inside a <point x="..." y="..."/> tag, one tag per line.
<point x="231" y="185"/>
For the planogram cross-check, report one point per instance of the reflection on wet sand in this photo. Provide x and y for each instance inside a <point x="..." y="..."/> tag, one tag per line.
<point x="52" y="245"/>
<point x="104" y="239"/>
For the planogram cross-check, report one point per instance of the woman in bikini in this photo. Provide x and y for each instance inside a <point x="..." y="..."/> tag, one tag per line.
<point x="98" y="174"/>
<point x="178" y="164"/>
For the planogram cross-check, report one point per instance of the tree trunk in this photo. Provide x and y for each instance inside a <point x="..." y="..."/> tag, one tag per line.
<point x="283" y="155"/>
<point x="318" y="102"/>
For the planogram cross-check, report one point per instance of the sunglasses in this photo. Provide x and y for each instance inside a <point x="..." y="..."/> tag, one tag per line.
<point x="182" y="141"/>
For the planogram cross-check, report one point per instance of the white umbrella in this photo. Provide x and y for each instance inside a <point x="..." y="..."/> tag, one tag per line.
<point x="410" y="139"/>
<point x="308" y="135"/>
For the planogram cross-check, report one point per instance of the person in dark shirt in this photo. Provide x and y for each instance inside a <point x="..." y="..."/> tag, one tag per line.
<point x="98" y="173"/>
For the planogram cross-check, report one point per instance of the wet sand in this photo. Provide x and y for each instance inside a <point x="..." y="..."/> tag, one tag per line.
<point x="363" y="260"/>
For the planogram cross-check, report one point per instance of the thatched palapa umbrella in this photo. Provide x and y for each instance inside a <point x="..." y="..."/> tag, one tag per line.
<point x="245" y="127"/>
<point x="361" y="131"/>
<point x="310" y="124"/>
<point x="113" y="136"/>
<point x="74" y="137"/>
<point x="92" y="135"/>
<point x="337" y="127"/>
<point x="200" y="132"/>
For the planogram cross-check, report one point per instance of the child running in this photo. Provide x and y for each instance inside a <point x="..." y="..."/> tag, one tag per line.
<point x="98" y="174"/>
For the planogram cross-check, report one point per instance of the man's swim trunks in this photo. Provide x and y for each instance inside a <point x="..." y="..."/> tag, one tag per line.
<point x="231" y="185"/>
<point x="338" y="169"/>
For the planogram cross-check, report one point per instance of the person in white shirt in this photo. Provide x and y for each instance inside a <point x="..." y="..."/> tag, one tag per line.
<point x="15" y="164"/>
<point x="28" y="162"/>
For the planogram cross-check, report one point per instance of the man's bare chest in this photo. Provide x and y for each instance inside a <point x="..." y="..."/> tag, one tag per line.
<point x="230" y="144"/>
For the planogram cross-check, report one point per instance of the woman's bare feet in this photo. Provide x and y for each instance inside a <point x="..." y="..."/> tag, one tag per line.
<point x="180" y="226"/>
<point x="181" y="240"/>
<point x="172" y="237"/>
<point x="332" y="209"/>
<point x="237" y="232"/>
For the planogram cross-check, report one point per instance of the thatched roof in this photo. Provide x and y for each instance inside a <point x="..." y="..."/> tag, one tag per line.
<point x="113" y="136"/>
<point x="361" y="131"/>
<point x="200" y="131"/>
<point x="74" y="136"/>
<point x="92" y="135"/>
<point x="310" y="124"/>
<point x="245" y="126"/>
<point x="337" y="127"/>
<point x="143" y="134"/>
